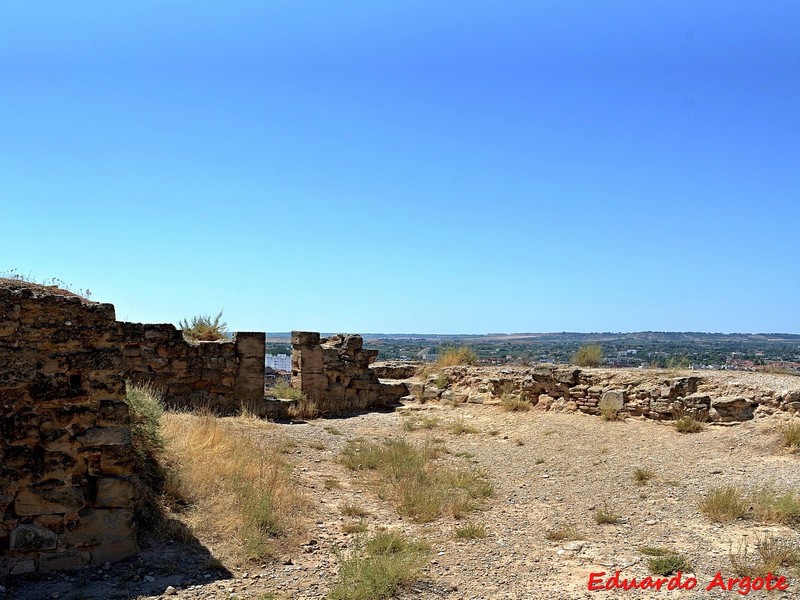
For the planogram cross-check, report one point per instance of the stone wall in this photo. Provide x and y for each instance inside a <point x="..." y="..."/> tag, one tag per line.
<point x="223" y="376"/>
<point x="655" y="395"/>
<point x="65" y="450"/>
<point x="334" y="372"/>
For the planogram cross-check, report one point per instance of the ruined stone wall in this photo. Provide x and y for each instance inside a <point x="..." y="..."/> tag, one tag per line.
<point x="65" y="450"/>
<point x="334" y="372"/>
<point x="222" y="376"/>
<point x="655" y="395"/>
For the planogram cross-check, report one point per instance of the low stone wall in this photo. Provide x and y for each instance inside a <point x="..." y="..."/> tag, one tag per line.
<point x="334" y="372"/>
<point x="65" y="449"/>
<point x="222" y="376"/>
<point x="655" y="395"/>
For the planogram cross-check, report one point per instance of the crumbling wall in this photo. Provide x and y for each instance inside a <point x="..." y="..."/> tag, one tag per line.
<point x="222" y="376"/>
<point x="636" y="392"/>
<point x="334" y="372"/>
<point x="65" y="449"/>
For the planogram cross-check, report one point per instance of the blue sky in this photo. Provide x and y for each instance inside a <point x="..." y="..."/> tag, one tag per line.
<point x="450" y="167"/>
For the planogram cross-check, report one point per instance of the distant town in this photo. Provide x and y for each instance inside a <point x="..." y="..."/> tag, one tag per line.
<point x="739" y="351"/>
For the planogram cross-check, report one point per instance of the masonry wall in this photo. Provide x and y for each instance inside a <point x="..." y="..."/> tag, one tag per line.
<point x="65" y="450"/>
<point x="334" y="372"/>
<point x="222" y="376"/>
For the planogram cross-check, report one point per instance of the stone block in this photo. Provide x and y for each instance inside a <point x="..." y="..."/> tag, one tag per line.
<point x="101" y="526"/>
<point x="114" y="492"/>
<point x="105" y="436"/>
<point x="48" y="497"/>
<point x="30" y="538"/>
<point x="305" y="338"/>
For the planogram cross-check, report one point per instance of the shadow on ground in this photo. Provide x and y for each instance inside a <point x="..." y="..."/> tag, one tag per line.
<point x="162" y="563"/>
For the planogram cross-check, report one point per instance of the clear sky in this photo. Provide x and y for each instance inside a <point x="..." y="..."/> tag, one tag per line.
<point x="417" y="167"/>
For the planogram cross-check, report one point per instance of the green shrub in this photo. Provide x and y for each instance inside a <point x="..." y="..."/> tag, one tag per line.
<point x="204" y="329"/>
<point x="588" y="356"/>
<point x="377" y="569"/>
<point x="669" y="564"/>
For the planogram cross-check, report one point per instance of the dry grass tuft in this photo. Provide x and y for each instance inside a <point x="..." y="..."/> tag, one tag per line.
<point x="420" y="487"/>
<point x="240" y="493"/>
<point x="471" y="531"/>
<point x="791" y="435"/>
<point x="565" y="533"/>
<point x="378" y="568"/>
<point x="642" y="476"/>
<point x="461" y="355"/>
<point x="772" y="554"/>
<point x="459" y="426"/>
<point x="606" y="515"/>
<point x="724" y="503"/>
<point x="514" y="403"/>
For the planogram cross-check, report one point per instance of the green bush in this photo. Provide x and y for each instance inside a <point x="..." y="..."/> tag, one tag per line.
<point x="204" y="329"/>
<point x="377" y="569"/>
<point x="588" y="356"/>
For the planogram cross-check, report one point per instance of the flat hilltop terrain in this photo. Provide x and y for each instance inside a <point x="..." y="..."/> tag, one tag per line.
<point x="569" y="495"/>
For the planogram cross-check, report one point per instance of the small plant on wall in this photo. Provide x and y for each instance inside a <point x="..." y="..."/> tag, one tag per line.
<point x="204" y="328"/>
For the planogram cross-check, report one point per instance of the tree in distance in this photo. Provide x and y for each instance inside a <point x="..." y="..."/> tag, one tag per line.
<point x="588" y="356"/>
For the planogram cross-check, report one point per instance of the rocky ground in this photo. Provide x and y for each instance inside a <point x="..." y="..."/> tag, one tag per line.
<point x="549" y="470"/>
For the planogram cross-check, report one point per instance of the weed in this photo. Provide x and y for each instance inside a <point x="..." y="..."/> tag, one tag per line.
<point x="420" y="487"/>
<point x="455" y="356"/>
<point x="331" y="484"/>
<point x="565" y="533"/>
<point x="420" y="422"/>
<point x="240" y="493"/>
<point x="146" y="408"/>
<point x="606" y="515"/>
<point x="668" y="564"/>
<point x="791" y="435"/>
<point x="724" y="503"/>
<point x="459" y="426"/>
<point x="353" y="510"/>
<point x="514" y="403"/>
<point x="283" y="390"/>
<point x="588" y="356"/>
<point x="471" y="531"/>
<point x="772" y="506"/>
<point x="771" y="554"/>
<point x="359" y="526"/>
<point x="538" y="460"/>
<point x="332" y="430"/>
<point x="442" y="380"/>
<point x="688" y="424"/>
<point x="642" y="476"/>
<point x="204" y="329"/>
<point x="378" y="568"/>
<point x="317" y="445"/>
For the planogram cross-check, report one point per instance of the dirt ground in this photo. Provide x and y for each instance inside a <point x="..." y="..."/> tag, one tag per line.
<point x="549" y="470"/>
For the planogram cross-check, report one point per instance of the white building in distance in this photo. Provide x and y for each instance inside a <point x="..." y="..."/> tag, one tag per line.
<point x="279" y="362"/>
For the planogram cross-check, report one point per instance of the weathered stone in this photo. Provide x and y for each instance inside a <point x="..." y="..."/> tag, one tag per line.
<point x="28" y="538"/>
<point x="48" y="497"/>
<point x="612" y="400"/>
<point x="114" y="492"/>
<point x="732" y="408"/>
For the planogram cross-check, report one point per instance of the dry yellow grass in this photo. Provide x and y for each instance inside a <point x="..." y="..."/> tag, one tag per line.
<point x="240" y="495"/>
